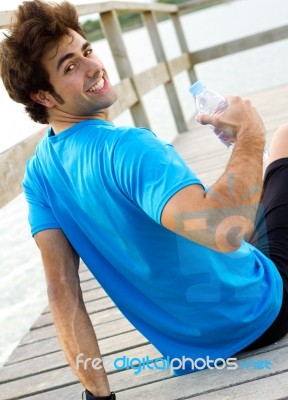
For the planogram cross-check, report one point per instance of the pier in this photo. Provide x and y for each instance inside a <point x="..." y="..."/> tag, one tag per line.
<point x="37" y="369"/>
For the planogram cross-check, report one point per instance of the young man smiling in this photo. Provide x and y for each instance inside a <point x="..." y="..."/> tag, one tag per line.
<point x="83" y="87"/>
<point x="140" y="219"/>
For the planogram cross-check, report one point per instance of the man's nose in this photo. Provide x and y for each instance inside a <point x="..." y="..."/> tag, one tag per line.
<point x="93" y="67"/>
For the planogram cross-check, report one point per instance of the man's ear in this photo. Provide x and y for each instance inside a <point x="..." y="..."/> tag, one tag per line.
<point x="44" y="98"/>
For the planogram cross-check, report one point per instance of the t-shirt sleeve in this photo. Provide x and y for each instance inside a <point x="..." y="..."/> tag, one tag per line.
<point x="150" y="171"/>
<point x="40" y="215"/>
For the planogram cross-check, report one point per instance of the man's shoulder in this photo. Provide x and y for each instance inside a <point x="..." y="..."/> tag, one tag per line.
<point x="134" y="135"/>
<point x="32" y="164"/>
<point x="135" y="130"/>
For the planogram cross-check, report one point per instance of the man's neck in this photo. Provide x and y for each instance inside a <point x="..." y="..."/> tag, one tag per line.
<point x="63" y="122"/>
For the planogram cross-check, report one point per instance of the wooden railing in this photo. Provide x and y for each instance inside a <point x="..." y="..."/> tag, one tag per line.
<point x="132" y="87"/>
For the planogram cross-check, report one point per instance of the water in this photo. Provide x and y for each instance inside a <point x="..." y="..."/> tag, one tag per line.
<point x="22" y="283"/>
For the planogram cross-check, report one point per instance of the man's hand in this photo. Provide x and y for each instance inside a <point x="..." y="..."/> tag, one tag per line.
<point x="240" y="119"/>
<point x="73" y="325"/>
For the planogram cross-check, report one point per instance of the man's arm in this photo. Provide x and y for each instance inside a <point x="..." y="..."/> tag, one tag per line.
<point x="221" y="217"/>
<point x="73" y="325"/>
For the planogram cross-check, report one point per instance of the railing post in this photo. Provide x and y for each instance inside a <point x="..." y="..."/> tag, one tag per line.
<point x="151" y="24"/>
<point x="113" y="33"/>
<point x="183" y="43"/>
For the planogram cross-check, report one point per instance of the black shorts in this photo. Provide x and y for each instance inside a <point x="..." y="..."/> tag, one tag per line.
<point x="271" y="237"/>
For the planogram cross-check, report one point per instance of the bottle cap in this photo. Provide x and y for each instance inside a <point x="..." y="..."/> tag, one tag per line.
<point x="197" y="87"/>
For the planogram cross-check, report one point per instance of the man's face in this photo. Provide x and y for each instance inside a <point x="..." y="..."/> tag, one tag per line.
<point x="78" y="77"/>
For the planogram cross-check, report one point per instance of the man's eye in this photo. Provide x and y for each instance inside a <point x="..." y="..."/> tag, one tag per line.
<point x="88" y="52"/>
<point x="69" y="68"/>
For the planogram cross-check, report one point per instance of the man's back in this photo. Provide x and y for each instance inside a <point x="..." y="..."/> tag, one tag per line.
<point x="105" y="187"/>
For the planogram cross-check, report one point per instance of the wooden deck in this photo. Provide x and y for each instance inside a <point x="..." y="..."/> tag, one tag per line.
<point x="38" y="370"/>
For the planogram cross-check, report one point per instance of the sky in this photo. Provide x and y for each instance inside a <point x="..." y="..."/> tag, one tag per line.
<point x="12" y="4"/>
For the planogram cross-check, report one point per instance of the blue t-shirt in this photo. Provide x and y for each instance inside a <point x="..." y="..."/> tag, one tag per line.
<point x="106" y="187"/>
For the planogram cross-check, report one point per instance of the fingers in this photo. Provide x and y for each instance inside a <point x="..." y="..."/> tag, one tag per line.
<point x="239" y="116"/>
<point x="210" y="119"/>
<point x="235" y="102"/>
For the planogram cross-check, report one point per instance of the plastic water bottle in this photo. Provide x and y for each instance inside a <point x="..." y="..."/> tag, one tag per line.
<point x="210" y="102"/>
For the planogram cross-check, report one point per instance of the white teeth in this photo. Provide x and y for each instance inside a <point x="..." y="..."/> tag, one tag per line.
<point x="99" y="85"/>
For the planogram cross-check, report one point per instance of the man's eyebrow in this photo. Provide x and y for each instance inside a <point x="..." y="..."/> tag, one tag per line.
<point x="70" y="55"/>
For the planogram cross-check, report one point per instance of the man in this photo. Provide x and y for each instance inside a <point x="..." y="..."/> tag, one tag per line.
<point x="128" y="205"/>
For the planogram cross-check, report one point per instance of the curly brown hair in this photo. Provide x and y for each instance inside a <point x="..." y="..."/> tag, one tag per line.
<point x="36" y="27"/>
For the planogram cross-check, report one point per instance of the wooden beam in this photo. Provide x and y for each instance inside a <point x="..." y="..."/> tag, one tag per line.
<point x="179" y="64"/>
<point x="5" y="17"/>
<point x="113" y="33"/>
<point x="12" y="165"/>
<point x="183" y="44"/>
<point x="152" y="28"/>
<point x="129" y="7"/>
<point x="235" y="46"/>
<point x="127" y="98"/>
<point x="91" y="8"/>
<point x="148" y="80"/>
<point x="192" y="5"/>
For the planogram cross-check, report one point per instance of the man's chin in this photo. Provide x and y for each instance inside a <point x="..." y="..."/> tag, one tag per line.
<point x="111" y="102"/>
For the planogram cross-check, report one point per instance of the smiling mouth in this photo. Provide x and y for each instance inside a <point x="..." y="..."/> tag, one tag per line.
<point x="98" y="86"/>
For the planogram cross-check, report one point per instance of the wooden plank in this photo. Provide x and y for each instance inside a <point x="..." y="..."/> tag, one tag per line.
<point x="35" y="384"/>
<point x="191" y="385"/>
<point x="49" y="362"/>
<point x="179" y="64"/>
<point x="127" y="98"/>
<point x="128" y="379"/>
<point x="48" y="332"/>
<point x="129" y="7"/>
<point x="43" y="364"/>
<point x="94" y="294"/>
<point x="191" y="5"/>
<point x="112" y="30"/>
<point x="92" y="307"/>
<point x="61" y="375"/>
<point x="100" y="317"/>
<point x="92" y="284"/>
<point x="5" y="18"/>
<point x="269" y="388"/>
<point x="22" y="367"/>
<point x="88" y="296"/>
<point x="109" y="345"/>
<point x="148" y="80"/>
<point x="12" y="165"/>
<point x="150" y="22"/>
<point x="183" y="45"/>
<point x="238" y="45"/>
<point x="120" y="380"/>
<point x="85" y="275"/>
<point x="85" y="9"/>
<point x="51" y="345"/>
